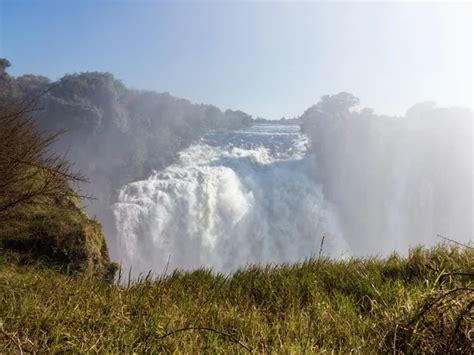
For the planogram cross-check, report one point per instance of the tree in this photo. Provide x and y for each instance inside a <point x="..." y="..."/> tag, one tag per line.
<point x="8" y="87"/>
<point x="32" y="85"/>
<point x="4" y="63"/>
<point x="341" y="103"/>
<point x="29" y="173"/>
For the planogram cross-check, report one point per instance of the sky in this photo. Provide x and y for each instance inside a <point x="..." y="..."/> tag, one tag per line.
<point x="269" y="59"/>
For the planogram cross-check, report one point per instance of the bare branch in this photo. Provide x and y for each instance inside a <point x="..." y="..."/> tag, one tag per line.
<point x="454" y="241"/>
<point x="30" y="172"/>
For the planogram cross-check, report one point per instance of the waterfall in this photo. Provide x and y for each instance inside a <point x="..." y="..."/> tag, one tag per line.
<point x="232" y="199"/>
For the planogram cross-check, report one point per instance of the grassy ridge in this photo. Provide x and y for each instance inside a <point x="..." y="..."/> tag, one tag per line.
<point x="60" y="233"/>
<point x="423" y="302"/>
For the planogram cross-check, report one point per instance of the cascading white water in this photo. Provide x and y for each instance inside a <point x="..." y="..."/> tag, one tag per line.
<point x="232" y="199"/>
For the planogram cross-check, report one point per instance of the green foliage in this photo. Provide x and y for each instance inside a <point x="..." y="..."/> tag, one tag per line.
<point x="361" y="305"/>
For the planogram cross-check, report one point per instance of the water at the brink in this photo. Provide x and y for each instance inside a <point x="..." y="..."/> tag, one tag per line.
<point x="233" y="199"/>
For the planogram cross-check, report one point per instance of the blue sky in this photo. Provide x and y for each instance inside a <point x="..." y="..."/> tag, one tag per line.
<point x="270" y="59"/>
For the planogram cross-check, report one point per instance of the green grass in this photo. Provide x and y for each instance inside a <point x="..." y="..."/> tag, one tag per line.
<point x="360" y="305"/>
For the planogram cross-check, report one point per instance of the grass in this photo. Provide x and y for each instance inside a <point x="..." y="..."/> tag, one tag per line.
<point x="59" y="233"/>
<point x="421" y="303"/>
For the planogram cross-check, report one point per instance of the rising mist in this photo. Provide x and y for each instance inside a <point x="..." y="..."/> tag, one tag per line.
<point x="396" y="181"/>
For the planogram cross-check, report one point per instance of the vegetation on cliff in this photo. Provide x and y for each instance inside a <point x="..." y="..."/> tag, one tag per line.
<point x="58" y="234"/>
<point x="41" y="217"/>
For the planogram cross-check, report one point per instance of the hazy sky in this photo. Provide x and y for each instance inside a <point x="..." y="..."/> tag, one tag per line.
<point x="269" y="59"/>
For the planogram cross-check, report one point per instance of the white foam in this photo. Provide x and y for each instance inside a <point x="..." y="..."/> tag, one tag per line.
<point x="225" y="205"/>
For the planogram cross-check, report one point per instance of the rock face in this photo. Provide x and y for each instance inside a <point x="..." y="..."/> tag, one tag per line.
<point x="60" y="234"/>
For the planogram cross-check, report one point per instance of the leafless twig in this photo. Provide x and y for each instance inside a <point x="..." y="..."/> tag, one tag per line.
<point x="454" y="241"/>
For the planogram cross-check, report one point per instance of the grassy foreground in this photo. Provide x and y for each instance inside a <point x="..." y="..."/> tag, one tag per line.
<point x="422" y="303"/>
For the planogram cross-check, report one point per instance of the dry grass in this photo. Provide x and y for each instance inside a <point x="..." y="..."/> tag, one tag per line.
<point x="422" y="303"/>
